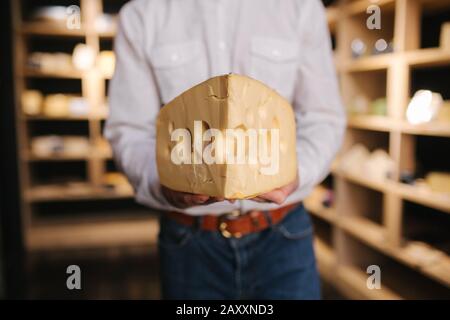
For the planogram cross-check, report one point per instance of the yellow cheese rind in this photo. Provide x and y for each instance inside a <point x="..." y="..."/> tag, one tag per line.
<point x="227" y="102"/>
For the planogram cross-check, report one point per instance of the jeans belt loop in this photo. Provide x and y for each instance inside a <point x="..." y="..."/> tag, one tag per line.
<point x="197" y="223"/>
<point x="268" y="218"/>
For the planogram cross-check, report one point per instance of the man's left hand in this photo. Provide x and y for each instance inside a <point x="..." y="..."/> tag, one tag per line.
<point x="278" y="195"/>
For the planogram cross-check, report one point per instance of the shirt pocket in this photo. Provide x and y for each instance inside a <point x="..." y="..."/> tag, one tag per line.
<point x="274" y="62"/>
<point x="178" y="67"/>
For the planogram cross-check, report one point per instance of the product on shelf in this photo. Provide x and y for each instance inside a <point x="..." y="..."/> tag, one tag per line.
<point x="56" y="105"/>
<point x="445" y="36"/>
<point x="379" y="165"/>
<point x="83" y="57"/>
<point x="438" y="181"/>
<point x="378" y="107"/>
<point x="78" y="106"/>
<point x="105" y="22"/>
<point x="61" y="105"/>
<point x="321" y="196"/>
<point x="424" y="106"/>
<point x="407" y="177"/>
<point x="376" y="165"/>
<point x="359" y="105"/>
<point x="53" y="145"/>
<point x="106" y="61"/>
<point x="46" y="146"/>
<point x="353" y="159"/>
<point x="221" y="103"/>
<point x="76" y="146"/>
<point x="51" y="13"/>
<point x="32" y="101"/>
<point x="51" y="62"/>
<point x="423" y="254"/>
<point x="118" y="182"/>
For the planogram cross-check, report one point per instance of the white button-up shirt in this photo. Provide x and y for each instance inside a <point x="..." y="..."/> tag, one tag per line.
<point x="164" y="47"/>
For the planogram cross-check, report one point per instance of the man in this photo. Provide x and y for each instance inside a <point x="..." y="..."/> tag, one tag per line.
<point x="164" y="47"/>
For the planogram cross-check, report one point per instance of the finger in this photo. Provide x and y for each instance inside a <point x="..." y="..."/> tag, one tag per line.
<point x="193" y="199"/>
<point x="183" y="199"/>
<point x="277" y="196"/>
<point x="199" y="198"/>
<point x="288" y="189"/>
<point x="260" y="199"/>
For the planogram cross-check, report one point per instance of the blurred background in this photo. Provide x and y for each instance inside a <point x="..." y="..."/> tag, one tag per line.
<point x="385" y="205"/>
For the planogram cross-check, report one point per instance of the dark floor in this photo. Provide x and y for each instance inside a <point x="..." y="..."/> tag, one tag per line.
<point x="108" y="274"/>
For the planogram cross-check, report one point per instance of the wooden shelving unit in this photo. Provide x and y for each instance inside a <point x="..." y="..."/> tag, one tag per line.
<point x="45" y="202"/>
<point x="366" y="219"/>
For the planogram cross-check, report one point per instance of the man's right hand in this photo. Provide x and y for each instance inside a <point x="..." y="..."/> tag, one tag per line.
<point x="185" y="200"/>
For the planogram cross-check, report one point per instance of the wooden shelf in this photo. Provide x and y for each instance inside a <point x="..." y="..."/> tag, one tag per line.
<point x="428" y="57"/>
<point x="386" y="124"/>
<point x="326" y="260"/>
<point x="63" y="158"/>
<point x="423" y="196"/>
<point x="86" y="192"/>
<point x="370" y="63"/>
<point x="414" y="194"/>
<point x="363" y="228"/>
<point x="92" y="89"/>
<point x="56" y="158"/>
<point x="73" y="74"/>
<point x="374" y="123"/>
<point x="69" y="118"/>
<point x="374" y="235"/>
<point x="94" y="234"/>
<point x="436" y="129"/>
<point x="380" y="186"/>
<point x="50" y="29"/>
<point x="386" y="75"/>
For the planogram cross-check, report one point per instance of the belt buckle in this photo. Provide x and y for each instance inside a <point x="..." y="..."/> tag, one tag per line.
<point x="223" y="225"/>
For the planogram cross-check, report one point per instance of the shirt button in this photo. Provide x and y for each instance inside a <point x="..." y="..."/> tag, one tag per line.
<point x="222" y="45"/>
<point x="276" y="53"/>
<point x="174" y="57"/>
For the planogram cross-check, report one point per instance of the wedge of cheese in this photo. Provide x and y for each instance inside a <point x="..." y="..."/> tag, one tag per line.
<point x="221" y="103"/>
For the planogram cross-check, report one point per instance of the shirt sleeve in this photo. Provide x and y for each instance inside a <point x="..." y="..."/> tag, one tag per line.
<point x="318" y="108"/>
<point x="134" y="105"/>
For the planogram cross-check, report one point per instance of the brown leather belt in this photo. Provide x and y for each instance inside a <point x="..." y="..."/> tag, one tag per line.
<point x="234" y="224"/>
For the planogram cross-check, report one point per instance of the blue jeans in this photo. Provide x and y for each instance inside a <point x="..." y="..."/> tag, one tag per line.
<point x="277" y="263"/>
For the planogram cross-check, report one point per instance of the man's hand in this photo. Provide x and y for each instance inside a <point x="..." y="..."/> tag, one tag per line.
<point x="185" y="200"/>
<point x="279" y="195"/>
